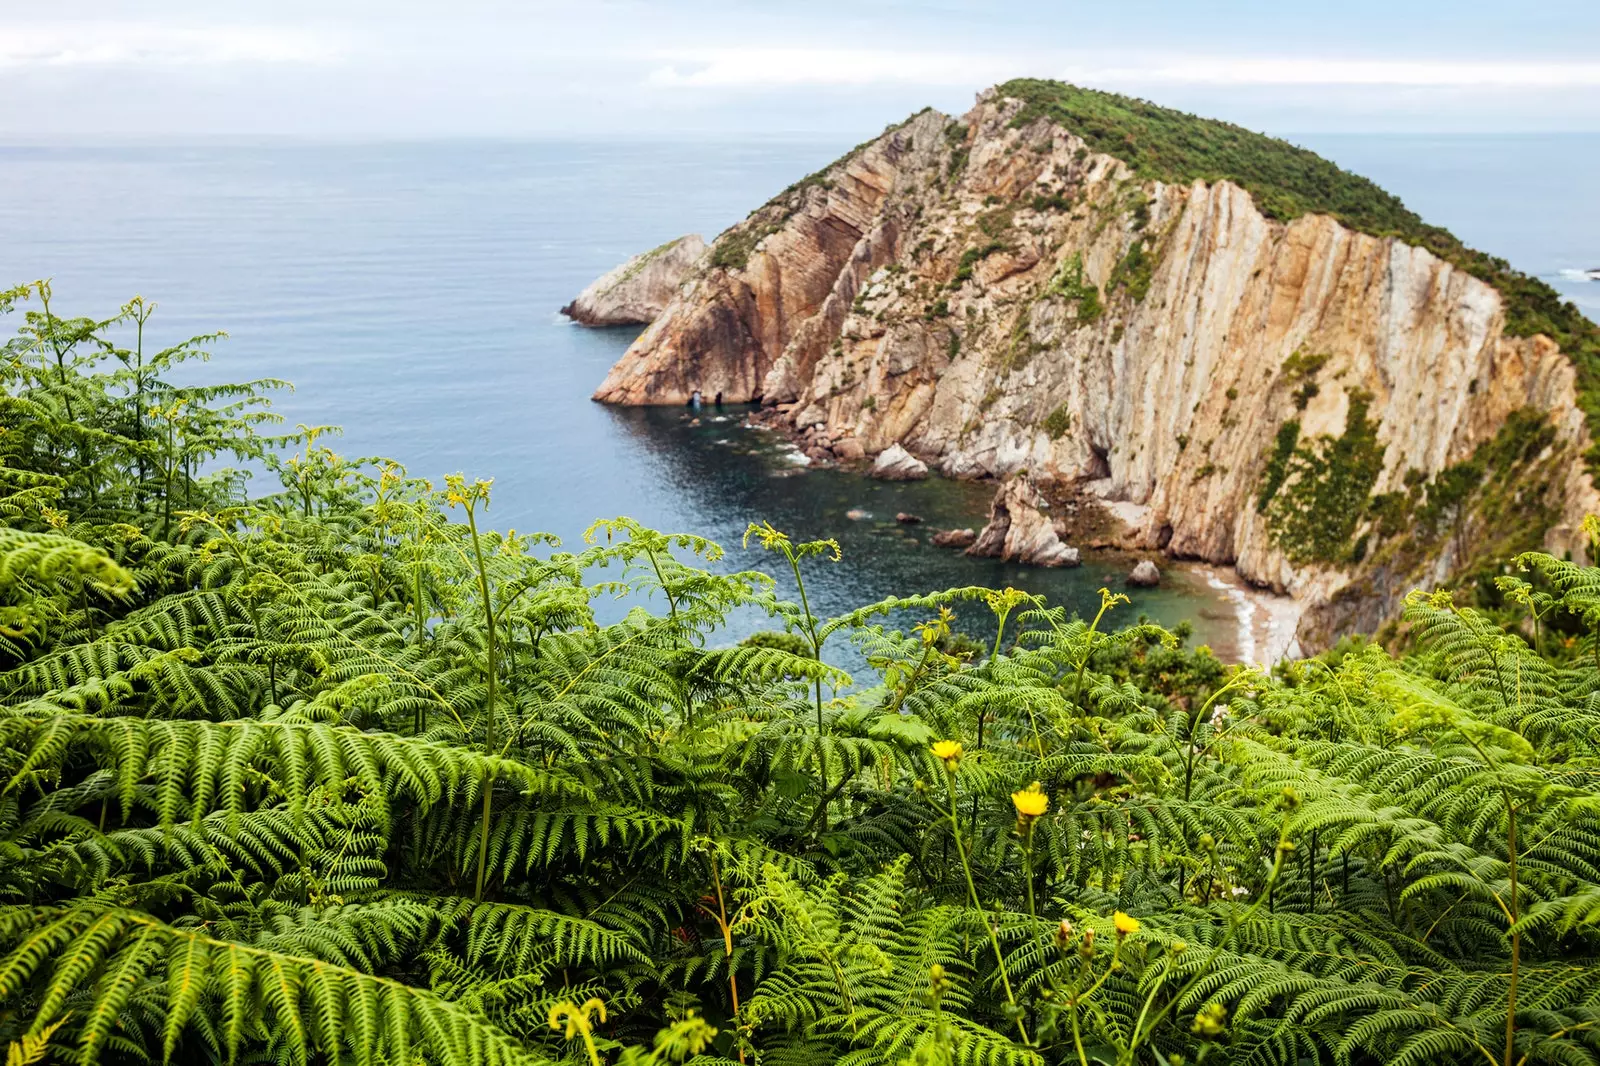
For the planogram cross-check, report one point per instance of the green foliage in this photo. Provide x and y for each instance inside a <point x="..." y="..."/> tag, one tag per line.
<point x="1058" y="423"/>
<point x="1277" y="468"/>
<point x="955" y="135"/>
<point x="1493" y="505"/>
<point x="1320" y="492"/>
<point x="997" y="223"/>
<point x="1069" y="283"/>
<point x="733" y="249"/>
<point x="332" y="774"/>
<point x="1134" y="271"/>
<point x="971" y="258"/>
<point x="1287" y="182"/>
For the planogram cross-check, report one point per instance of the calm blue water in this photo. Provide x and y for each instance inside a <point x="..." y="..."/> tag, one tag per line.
<point x="410" y="292"/>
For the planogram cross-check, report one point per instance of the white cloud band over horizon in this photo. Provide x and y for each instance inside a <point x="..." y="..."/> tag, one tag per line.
<point x="774" y="67"/>
<point x="632" y="67"/>
<point x="134" y="45"/>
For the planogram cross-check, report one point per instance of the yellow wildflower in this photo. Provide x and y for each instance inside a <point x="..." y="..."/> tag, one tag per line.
<point x="1126" y="924"/>
<point x="949" y="751"/>
<point x="1031" y="802"/>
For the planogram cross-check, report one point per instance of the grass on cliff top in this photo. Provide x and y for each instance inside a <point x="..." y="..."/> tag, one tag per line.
<point x="1287" y="182"/>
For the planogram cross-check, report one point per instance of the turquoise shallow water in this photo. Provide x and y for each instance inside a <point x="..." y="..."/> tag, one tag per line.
<point x="410" y="292"/>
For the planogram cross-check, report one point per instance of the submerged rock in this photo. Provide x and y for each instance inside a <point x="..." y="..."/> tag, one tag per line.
<point x="1019" y="531"/>
<point x="636" y="292"/>
<point x="894" y="463"/>
<point x="954" y="538"/>
<point x="1144" y="575"/>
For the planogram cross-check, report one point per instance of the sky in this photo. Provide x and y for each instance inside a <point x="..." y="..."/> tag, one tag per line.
<point x="384" y="69"/>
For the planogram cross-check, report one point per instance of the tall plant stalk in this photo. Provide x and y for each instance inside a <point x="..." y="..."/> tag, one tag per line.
<point x="468" y="497"/>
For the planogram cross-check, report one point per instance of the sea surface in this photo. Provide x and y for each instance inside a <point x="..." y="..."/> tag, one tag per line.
<point x="409" y="291"/>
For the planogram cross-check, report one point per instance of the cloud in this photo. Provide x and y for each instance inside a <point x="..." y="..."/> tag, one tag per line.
<point x="779" y="67"/>
<point x="101" y="44"/>
<point x="1399" y="72"/>
<point x="787" y="67"/>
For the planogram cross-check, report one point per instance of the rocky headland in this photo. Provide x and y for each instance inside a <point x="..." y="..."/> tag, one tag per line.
<point x="635" y="293"/>
<point x="1159" y="333"/>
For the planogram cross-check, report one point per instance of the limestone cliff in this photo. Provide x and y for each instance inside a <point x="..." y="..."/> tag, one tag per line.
<point x="1206" y="370"/>
<point x="639" y="290"/>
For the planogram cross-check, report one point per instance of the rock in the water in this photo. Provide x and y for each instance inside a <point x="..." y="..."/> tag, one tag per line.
<point x="1019" y="531"/>
<point x="954" y="538"/>
<point x="856" y="514"/>
<point x="636" y="292"/>
<point x="1144" y="575"/>
<point x="850" y="450"/>
<point x="906" y="518"/>
<point x="894" y="463"/>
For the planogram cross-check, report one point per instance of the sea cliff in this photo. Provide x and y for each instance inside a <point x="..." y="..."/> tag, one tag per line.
<point x="1338" y="401"/>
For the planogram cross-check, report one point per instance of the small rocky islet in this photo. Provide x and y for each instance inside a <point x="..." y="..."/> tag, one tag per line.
<point x="1154" y="332"/>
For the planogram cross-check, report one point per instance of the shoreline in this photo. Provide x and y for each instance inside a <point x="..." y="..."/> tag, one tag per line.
<point x="1263" y="622"/>
<point x="1266" y="621"/>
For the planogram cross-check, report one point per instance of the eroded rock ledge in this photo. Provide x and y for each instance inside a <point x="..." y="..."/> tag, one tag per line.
<point x="1342" y="417"/>
<point x="635" y="293"/>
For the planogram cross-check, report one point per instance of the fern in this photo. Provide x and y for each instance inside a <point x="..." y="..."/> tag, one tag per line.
<point x="328" y="772"/>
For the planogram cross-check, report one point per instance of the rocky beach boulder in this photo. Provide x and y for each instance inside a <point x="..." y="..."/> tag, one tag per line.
<point x="1144" y="575"/>
<point x="894" y="463"/>
<point x="955" y="538"/>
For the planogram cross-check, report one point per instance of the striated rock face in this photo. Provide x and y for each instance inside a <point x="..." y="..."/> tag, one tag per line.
<point x="1295" y="398"/>
<point x="1019" y="531"/>
<point x="636" y="292"/>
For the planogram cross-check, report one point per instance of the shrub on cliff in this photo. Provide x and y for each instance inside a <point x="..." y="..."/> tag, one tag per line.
<point x="337" y="774"/>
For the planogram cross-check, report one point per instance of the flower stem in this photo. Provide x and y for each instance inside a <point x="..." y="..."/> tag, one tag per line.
<point x="488" y="731"/>
<point x="972" y="893"/>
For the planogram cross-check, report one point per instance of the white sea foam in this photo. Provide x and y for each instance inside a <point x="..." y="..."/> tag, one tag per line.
<point x="1244" y="612"/>
<point x="1580" y="275"/>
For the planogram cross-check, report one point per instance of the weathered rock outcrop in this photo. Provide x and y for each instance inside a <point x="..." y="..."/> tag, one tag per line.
<point x="955" y="538"/>
<point x="636" y="292"/>
<point x="1341" y="416"/>
<point x="894" y="463"/>
<point x="1019" y="531"/>
<point x="1144" y="574"/>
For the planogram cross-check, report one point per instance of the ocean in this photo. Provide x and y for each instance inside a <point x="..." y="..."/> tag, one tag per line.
<point x="409" y="292"/>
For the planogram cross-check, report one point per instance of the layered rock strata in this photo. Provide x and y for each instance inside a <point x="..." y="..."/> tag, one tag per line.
<point x="1294" y="398"/>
